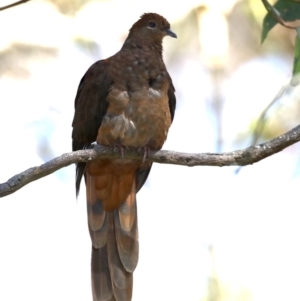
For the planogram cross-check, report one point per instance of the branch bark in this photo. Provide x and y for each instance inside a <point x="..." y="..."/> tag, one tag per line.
<point x="242" y="157"/>
<point x="13" y="4"/>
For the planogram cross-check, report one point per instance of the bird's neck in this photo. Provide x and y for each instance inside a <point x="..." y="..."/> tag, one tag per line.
<point x="144" y="44"/>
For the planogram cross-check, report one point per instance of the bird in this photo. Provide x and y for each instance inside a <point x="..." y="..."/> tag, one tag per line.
<point x="126" y="100"/>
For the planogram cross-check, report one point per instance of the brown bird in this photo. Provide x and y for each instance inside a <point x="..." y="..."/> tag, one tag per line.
<point x="126" y="100"/>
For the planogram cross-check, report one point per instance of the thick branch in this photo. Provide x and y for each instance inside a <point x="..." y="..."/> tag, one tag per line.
<point x="13" y="4"/>
<point x="243" y="157"/>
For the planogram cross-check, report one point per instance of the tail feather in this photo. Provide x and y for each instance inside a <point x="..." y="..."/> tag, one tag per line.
<point x="123" y="294"/>
<point x="127" y="243"/>
<point x="127" y="211"/>
<point x="101" y="282"/>
<point x="115" y="250"/>
<point x="122" y="280"/>
<point x="97" y="217"/>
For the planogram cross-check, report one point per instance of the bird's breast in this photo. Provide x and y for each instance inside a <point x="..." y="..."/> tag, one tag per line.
<point x="138" y="119"/>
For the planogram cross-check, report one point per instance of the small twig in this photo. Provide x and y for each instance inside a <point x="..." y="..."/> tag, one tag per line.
<point x="13" y="4"/>
<point x="277" y="16"/>
<point x="287" y="88"/>
<point x="243" y="157"/>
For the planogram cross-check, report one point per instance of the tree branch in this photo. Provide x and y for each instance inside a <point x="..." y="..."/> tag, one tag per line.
<point x="243" y="157"/>
<point x="13" y="4"/>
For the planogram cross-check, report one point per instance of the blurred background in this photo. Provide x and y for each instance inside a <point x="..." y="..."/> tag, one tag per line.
<point x="206" y="233"/>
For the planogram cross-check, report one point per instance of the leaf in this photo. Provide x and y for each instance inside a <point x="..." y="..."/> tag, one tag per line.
<point x="285" y="12"/>
<point x="296" y="65"/>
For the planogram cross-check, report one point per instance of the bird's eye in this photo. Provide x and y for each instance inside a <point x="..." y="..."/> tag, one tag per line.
<point x="152" y="24"/>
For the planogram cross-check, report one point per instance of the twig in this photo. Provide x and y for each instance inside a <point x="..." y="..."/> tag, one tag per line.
<point x="287" y="88"/>
<point x="243" y="157"/>
<point x="277" y="16"/>
<point x="13" y="4"/>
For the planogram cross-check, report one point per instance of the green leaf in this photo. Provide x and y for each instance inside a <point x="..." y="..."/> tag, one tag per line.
<point x="296" y="66"/>
<point x="288" y="10"/>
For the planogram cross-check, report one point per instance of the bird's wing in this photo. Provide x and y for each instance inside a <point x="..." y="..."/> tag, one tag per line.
<point x="90" y="107"/>
<point x="172" y="98"/>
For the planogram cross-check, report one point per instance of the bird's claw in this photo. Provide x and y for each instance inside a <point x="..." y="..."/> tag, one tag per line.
<point x="120" y="148"/>
<point x="146" y="153"/>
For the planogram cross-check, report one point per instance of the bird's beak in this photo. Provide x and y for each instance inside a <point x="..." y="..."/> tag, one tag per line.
<point x="171" y="33"/>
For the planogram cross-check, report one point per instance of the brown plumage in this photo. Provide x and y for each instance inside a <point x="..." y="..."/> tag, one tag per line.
<point x="125" y="100"/>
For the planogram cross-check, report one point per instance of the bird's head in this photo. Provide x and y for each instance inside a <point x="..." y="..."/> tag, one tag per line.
<point x="152" y="26"/>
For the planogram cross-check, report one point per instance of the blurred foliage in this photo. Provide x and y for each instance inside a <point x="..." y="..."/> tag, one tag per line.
<point x="279" y="116"/>
<point x="214" y="292"/>
<point x="287" y="13"/>
<point x="13" y="60"/>
<point x="224" y="291"/>
<point x="68" y="7"/>
<point x="288" y="10"/>
<point x="219" y="290"/>
<point x="90" y="47"/>
<point x="296" y="65"/>
<point x="244" y="29"/>
<point x="280" y="39"/>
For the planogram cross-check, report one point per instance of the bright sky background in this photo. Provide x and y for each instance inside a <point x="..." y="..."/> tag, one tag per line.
<point x="251" y="219"/>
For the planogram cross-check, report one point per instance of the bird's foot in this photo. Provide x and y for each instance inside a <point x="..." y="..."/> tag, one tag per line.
<point x="120" y="148"/>
<point x="146" y="153"/>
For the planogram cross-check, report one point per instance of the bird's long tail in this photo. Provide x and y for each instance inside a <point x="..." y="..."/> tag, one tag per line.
<point x="115" y="249"/>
